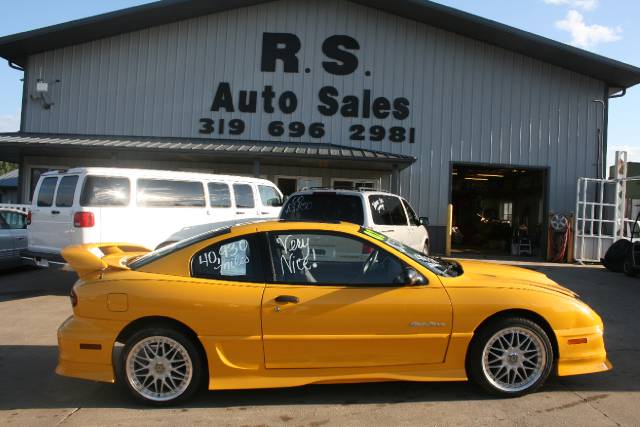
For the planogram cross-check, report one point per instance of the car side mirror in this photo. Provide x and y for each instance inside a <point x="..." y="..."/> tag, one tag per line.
<point x="412" y="278"/>
<point x="424" y="220"/>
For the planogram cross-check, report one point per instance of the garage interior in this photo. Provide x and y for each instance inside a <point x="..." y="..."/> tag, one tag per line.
<point x="498" y="210"/>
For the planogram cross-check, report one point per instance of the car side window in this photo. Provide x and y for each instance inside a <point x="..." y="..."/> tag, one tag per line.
<point x="413" y="218"/>
<point x="244" y="196"/>
<point x="332" y="259"/>
<point x="269" y="196"/>
<point x="387" y="210"/>
<point x="47" y="189"/>
<point x="66" y="191"/>
<point x="219" y="195"/>
<point x="236" y="260"/>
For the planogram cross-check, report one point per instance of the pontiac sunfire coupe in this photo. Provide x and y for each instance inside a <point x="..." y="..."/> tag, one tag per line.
<point x="280" y="304"/>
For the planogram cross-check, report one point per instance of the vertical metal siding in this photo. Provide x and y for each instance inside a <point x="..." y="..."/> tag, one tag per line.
<point x="470" y="101"/>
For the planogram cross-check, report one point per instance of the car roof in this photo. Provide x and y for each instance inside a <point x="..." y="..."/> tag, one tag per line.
<point x="154" y="173"/>
<point x="280" y="225"/>
<point x="356" y="192"/>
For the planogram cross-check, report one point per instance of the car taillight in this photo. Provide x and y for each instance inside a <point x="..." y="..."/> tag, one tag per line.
<point x="83" y="219"/>
<point x="74" y="298"/>
<point x="29" y="218"/>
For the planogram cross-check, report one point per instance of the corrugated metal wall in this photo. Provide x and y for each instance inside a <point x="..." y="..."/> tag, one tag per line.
<point x="470" y="101"/>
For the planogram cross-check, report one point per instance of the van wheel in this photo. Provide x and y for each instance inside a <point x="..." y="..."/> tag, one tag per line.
<point x="161" y="366"/>
<point x="628" y="268"/>
<point x="510" y="357"/>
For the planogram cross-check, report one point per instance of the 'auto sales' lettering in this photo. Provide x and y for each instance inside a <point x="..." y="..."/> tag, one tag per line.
<point x="340" y="52"/>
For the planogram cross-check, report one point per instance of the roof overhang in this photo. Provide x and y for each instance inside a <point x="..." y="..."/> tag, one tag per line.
<point x="14" y="146"/>
<point x="16" y="48"/>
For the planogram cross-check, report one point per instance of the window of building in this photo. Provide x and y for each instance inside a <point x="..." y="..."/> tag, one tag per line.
<point x="506" y="211"/>
<point x="354" y="184"/>
<point x="219" y="195"/>
<point x="105" y="191"/>
<point x="321" y="258"/>
<point x="161" y="193"/>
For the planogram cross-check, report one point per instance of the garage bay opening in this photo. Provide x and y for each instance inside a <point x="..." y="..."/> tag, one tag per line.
<point x="498" y="210"/>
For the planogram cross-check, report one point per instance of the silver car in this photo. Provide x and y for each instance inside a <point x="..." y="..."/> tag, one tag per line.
<point x="13" y="236"/>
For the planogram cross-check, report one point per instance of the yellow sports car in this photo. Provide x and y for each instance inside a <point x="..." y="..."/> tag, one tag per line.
<point x="279" y="304"/>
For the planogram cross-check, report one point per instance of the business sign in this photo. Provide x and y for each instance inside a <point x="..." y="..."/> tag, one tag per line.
<point x="341" y="60"/>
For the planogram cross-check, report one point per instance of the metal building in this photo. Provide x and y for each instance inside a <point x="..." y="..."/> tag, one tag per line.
<point x="411" y="96"/>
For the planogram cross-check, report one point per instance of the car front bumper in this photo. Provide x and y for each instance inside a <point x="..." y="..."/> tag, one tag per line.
<point x="581" y="351"/>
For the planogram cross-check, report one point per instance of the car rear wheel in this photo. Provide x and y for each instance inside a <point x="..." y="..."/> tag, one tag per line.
<point x="161" y="366"/>
<point x="510" y="357"/>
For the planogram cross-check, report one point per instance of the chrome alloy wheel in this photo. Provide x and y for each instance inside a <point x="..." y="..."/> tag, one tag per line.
<point x="159" y="368"/>
<point x="513" y="359"/>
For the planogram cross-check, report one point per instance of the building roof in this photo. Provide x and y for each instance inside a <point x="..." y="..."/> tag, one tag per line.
<point x="12" y="144"/>
<point x="16" y="48"/>
<point x="9" y="179"/>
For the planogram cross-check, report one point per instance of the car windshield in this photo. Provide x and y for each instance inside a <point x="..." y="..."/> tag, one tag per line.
<point x="437" y="265"/>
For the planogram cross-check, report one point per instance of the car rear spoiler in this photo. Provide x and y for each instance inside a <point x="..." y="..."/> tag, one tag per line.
<point x="96" y="257"/>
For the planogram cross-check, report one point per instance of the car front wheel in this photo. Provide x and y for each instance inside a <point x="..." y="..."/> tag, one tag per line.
<point x="161" y="366"/>
<point x="510" y="357"/>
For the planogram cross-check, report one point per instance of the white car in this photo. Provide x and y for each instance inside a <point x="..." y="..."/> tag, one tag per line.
<point x="144" y="207"/>
<point x="13" y="236"/>
<point x="381" y="211"/>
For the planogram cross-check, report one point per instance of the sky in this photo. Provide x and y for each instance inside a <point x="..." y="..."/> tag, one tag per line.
<point x="606" y="27"/>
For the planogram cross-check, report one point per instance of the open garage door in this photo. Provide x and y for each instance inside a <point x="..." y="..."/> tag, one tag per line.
<point x="498" y="210"/>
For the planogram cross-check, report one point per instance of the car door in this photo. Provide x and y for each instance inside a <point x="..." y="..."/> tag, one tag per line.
<point x="389" y="218"/>
<point x="335" y="301"/>
<point x="16" y="223"/>
<point x="417" y="233"/>
<point x="43" y="231"/>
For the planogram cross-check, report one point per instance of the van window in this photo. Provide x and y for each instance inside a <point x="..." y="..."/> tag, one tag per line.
<point x="219" y="195"/>
<point x="47" y="188"/>
<point x="269" y="196"/>
<point x="243" y="196"/>
<point x="413" y="218"/>
<point x="66" y="191"/>
<point x="105" y="191"/>
<point x="160" y="193"/>
<point x="387" y="210"/>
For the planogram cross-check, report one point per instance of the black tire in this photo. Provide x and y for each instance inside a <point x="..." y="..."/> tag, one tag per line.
<point x="188" y="351"/>
<point x="484" y="378"/>
<point x="629" y="268"/>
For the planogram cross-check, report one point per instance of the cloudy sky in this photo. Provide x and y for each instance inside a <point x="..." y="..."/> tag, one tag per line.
<point x="606" y="27"/>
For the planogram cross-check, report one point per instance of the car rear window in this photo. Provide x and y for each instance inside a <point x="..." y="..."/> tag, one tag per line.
<point x="47" y="188"/>
<point x="269" y="196"/>
<point x="66" y="191"/>
<point x="105" y="191"/>
<point x="243" y="196"/>
<point x="324" y="207"/>
<point x="387" y="210"/>
<point x="160" y="193"/>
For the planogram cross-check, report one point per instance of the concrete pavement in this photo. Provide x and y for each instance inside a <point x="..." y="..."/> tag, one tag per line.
<point x="33" y="303"/>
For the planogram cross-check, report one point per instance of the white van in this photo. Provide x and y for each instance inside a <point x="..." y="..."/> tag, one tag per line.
<point x="145" y="207"/>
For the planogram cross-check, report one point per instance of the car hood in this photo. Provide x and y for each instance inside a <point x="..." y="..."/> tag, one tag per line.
<point x="485" y="274"/>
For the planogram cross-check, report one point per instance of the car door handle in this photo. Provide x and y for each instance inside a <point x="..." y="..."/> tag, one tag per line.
<point x="19" y="238"/>
<point x="283" y="299"/>
<point x="55" y="212"/>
